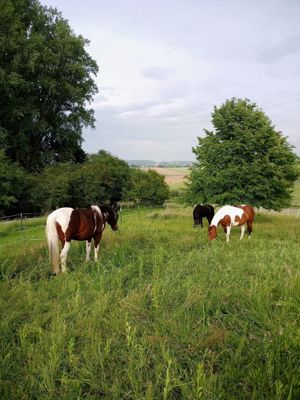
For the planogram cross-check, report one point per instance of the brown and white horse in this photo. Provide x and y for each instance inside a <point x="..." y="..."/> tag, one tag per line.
<point x="66" y="224"/>
<point x="229" y="216"/>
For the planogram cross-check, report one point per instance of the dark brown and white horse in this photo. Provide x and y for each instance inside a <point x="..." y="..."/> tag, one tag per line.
<point x="66" y="224"/>
<point x="229" y="216"/>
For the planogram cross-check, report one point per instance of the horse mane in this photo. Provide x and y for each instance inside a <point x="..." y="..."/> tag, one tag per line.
<point x="110" y="209"/>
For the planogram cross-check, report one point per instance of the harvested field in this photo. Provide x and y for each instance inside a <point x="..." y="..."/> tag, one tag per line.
<point x="174" y="176"/>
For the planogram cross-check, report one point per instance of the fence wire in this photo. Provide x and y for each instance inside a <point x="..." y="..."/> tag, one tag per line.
<point x="22" y="222"/>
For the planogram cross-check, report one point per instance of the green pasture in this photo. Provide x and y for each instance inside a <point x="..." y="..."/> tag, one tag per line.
<point x="164" y="314"/>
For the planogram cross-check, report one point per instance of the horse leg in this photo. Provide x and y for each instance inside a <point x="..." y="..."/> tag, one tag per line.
<point x="228" y="228"/>
<point x="88" y="244"/>
<point x="97" y="239"/>
<point x="242" y="231"/>
<point x="249" y="226"/>
<point x="63" y="256"/>
<point x="201" y="222"/>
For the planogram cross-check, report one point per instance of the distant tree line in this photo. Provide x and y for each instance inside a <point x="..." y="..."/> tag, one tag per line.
<point x="102" y="178"/>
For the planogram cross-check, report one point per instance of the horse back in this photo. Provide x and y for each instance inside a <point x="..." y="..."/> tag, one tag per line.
<point x="210" y="211"/>
<point x="84" y="222"/>
<point x="248" y="211"/>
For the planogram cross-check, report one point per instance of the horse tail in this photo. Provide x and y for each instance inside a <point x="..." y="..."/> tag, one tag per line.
<point x="52" y="241"/>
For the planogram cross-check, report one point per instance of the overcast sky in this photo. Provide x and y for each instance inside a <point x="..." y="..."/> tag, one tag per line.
<point x="163" y="65"/>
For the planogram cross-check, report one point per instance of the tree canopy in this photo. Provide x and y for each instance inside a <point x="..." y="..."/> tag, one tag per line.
<point x="45" y="85"/>
<point x="243" y="160"/>
<point x="14" y="184"/>
<point x="147" y="187"/>
<point x="101" y="179"/>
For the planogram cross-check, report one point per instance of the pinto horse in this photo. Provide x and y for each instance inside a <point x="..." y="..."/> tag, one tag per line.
<point x="203" y="211"/>
<point x="66" y="224"/>
<point x="229" y="216"/>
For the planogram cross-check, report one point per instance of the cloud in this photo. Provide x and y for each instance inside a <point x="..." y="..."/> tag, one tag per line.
<point x="165" y="65"/>
<point x="157" y="73"/>
<point x="288" y="46"/>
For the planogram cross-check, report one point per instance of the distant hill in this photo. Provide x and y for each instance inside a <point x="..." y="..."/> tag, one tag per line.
<point x="141" y="163"/>
<point x="162" y="164"/>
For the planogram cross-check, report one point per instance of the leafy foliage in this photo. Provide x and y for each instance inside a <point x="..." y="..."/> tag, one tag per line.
<point x="102" y="178"/>
<point x="148" y="187"/>
<point x="13" y="184"/>
<point x="45" y="83"/>
<point x="244" y="160"/>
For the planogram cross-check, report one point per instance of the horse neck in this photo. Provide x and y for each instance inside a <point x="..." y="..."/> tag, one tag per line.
<point x="105" y="213"/>
<point x="96" y="210"/>
<point x="216" y="220"/>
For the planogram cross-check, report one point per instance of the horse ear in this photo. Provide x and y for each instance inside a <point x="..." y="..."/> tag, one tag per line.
<point x="115" y="206"/>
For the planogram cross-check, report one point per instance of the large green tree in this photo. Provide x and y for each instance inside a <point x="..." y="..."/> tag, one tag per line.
<point x="105" y="177"/>
<point x="46" y="83"/>
<point x="147" y="187"/>
<point x="243" y="160"/>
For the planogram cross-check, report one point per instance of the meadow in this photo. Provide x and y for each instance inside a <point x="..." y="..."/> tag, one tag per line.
<point x="164" y="314"/>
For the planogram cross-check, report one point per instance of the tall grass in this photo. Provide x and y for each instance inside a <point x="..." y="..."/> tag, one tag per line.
<point x="164" y="314"/>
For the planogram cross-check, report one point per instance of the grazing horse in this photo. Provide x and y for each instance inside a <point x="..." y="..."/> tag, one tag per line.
<point x="229" y="216"/>
<point x="203" y="211"/>
<point x="67" y="223"/>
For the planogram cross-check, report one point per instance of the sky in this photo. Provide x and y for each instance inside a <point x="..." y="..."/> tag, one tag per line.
<point x="164" y="65"/>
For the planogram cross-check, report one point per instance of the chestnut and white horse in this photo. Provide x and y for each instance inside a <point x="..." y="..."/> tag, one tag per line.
<point x="229" y="216"/>
<point x="66" y="224"/>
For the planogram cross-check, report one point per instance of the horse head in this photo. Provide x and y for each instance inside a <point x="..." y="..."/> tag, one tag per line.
<point x="212" y="232"/>
<point x="110" y="214"/>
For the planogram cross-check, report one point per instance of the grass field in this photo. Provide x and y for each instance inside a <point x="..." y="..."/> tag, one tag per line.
<point x="164" y="314"/>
